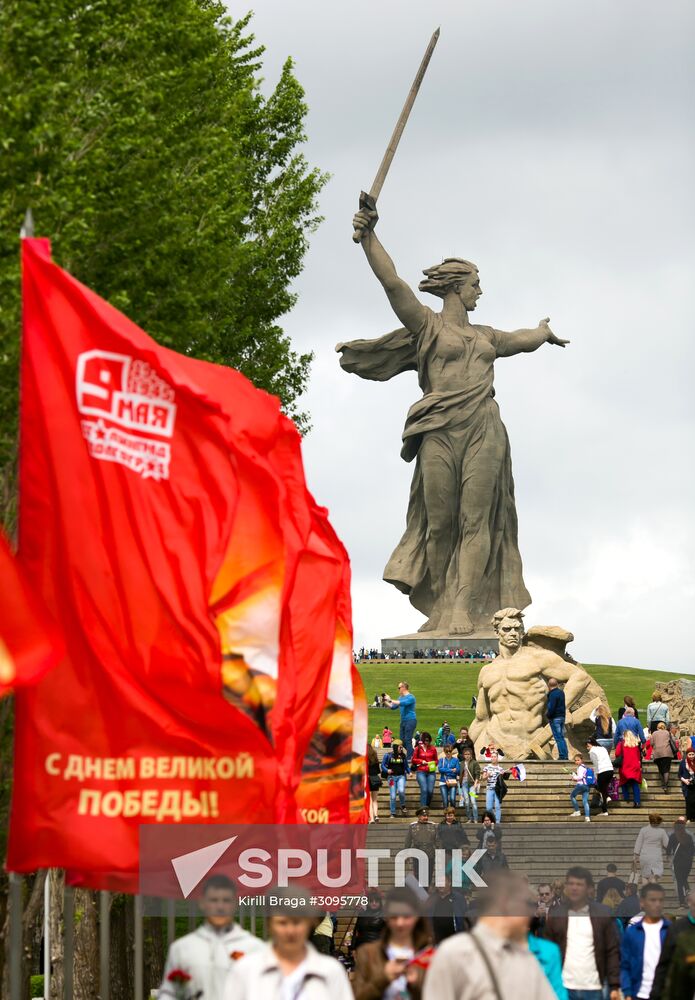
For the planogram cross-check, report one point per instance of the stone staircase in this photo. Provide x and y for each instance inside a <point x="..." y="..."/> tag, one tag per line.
<point x="538" y="835"/>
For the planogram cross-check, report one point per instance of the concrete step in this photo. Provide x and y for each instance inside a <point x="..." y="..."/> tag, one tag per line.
<point x="539" y="837"/>
<point x="543" y="852"/>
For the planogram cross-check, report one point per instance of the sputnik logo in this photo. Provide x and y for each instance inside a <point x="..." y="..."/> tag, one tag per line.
<point x="192" y="868"/>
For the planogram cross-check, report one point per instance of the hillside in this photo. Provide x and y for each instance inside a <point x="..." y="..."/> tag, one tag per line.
<point x="444" y="690"/>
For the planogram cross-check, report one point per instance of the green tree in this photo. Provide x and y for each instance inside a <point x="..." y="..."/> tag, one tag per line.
<point x="167" y="181"/>
<point x="140" y="137"/>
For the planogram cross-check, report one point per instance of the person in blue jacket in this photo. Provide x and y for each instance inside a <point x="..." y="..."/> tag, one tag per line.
<point x="628" y="723"/>
<point x="449" y="777"/>
<point x="406" y="703"/>
<point x="642" y="943"/>
<point x="556" y="713"/>
<point x="549" y="958"/>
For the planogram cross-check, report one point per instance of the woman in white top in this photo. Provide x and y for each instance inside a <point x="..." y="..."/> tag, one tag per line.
<point x="650" y="845"/>
<point x="288" y="967"/>
<point x="603" y="767"/>
<point x="657" y="711"/>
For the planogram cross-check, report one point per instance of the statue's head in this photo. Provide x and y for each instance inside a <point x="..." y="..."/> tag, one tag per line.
<point x="453" y="275"/>
<point x="509" y="627"/>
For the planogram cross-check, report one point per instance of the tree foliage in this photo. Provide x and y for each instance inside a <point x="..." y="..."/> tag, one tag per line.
<point x="139" y="135"/>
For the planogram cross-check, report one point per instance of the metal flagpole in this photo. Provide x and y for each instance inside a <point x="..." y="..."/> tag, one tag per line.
<point x="47" y="936"/>
<point x="15" y="936"/>
<point x="171" y="921"/>
<point x="27" y="230"/>
<point x="68" y="940"/>
<point x="139" y="950"/>
<point x="104" y="943"/>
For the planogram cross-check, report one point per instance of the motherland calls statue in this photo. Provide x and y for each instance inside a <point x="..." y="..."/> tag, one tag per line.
<point x="459" y="559"/>
<point x="513" y="691"/>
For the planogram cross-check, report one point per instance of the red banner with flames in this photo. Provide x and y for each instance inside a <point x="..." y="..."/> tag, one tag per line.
<point x="203" y="596"/>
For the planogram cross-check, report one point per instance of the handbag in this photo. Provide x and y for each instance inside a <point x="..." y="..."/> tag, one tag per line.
<point x="451" y="782"/>
<point x="613" y="790"/>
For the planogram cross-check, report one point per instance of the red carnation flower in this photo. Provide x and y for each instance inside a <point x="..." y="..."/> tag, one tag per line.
<point x="178" y="976"/>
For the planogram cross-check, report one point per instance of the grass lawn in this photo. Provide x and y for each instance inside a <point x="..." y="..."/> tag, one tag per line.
<point x="444" y="690"/>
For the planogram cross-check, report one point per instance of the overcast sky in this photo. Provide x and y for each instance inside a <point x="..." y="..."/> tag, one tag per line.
<point x="552" y="144"/>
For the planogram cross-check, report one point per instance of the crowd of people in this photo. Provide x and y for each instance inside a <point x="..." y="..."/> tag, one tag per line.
<point x="447" y="764"/>
<point x="611" y="766"/>
<point x="572" y="939"/>
<point x="364" y="655"/>
<point x="631" y="744"/>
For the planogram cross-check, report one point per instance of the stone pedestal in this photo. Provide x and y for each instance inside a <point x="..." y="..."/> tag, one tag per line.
<point x="483" y="640"/>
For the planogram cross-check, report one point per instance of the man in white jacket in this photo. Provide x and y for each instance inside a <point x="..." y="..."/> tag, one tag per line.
<point x="208" y="954"/>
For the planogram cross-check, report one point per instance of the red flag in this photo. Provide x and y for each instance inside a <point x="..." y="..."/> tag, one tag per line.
<point x="30" y="642"/>
<point x="165" y="520"/>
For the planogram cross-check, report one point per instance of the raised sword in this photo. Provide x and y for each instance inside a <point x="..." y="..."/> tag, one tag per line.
<point x="368" y="201"/>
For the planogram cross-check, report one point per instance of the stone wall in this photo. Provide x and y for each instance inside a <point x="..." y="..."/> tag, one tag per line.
<point x="680" y="697"/>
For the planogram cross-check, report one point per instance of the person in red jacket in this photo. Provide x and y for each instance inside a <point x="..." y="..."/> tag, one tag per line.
<point x="629" y="754"/>
<point x="424" y="764"/>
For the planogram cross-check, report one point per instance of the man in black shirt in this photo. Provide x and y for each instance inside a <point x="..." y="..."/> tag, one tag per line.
<point x="446" y="908"/>
<point x="611" y="881"/>
<point x="494" y="859"/>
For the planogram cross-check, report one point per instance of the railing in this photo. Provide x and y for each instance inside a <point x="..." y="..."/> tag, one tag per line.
<point x="167" y="911"/>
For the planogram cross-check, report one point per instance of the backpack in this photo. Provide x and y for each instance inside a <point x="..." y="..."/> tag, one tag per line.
<point x="590" y="776"/>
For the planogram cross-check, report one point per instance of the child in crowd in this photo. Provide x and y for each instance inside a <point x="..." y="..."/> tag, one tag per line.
<point x="470" y="784"/>
<point x="581" y="787"/>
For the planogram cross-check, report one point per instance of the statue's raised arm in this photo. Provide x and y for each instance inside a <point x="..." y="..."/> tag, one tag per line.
<point x="404" y="302"/>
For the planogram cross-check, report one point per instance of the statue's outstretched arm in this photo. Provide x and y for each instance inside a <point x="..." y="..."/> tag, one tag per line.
<point x="527" y="341"/>
<point x="404" y="302"/>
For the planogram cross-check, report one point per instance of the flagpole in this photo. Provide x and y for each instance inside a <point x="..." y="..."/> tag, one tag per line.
<point x="47" y="936"/>
<point x="27" y="230"/>
<point x="15" y="963"/>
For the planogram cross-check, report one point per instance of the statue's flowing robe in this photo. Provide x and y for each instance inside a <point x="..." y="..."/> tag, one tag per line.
<point x="466" y="423"/>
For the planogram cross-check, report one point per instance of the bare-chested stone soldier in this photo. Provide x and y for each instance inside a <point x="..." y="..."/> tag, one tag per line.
<point x="513" y="690"/>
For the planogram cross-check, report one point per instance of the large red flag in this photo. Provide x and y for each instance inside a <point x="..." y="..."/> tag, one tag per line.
<point x="30" y="642"/>
<point x="165" y="520"/>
